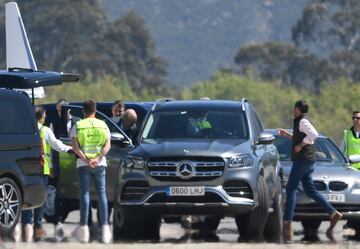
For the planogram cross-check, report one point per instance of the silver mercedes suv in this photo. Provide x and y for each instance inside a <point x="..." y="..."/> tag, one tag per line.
<point x="205" y="157"/>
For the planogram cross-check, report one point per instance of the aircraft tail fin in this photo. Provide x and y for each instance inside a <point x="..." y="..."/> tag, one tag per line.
<point x="18" y="50"/>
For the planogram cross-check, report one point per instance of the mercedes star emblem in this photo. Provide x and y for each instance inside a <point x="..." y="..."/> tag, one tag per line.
<point x="185" y="170"/>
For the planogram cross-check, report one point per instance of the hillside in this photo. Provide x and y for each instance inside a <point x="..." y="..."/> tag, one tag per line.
<point x="198" y="37"/>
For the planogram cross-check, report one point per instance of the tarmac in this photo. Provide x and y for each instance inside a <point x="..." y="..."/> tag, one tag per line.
<point x="174" y="236"/>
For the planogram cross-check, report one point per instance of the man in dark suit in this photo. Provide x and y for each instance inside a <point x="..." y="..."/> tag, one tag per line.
<point x="128" y="125"/>
<point x="60" y="124"/>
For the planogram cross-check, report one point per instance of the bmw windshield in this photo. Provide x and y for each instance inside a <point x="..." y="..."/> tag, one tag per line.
<point x="326" y="151"/>
<point x="196" y="124"/>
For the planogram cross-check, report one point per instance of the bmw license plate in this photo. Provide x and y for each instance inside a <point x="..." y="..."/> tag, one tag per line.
<point x="339" y="198"/>
<point x="187" y="191"/>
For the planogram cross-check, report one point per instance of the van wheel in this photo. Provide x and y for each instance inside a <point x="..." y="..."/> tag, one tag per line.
<point x="10" y="205"/>
<point x="251" y="225"/>
<point x="130" y="224"/>
<point x="273" y="227"/>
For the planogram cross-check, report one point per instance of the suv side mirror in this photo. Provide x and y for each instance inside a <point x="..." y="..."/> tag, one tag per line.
<point x="265" y="138"/>
<point x="118" y="138"/>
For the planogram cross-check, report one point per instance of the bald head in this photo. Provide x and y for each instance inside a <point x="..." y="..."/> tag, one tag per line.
<point x="129" y="118"/>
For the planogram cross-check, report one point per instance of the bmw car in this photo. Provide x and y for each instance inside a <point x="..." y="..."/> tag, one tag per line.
<point x="333" y="177"/>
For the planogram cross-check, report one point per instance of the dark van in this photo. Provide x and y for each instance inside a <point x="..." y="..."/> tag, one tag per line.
<point x="21" y="186"/>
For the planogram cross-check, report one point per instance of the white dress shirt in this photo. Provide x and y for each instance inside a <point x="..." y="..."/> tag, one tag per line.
<point x="54" y="143"/>
<point x="306" y="127"/>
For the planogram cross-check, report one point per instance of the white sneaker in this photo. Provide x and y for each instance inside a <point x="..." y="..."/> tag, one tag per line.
<point x="17" y="233"/>
<point x="59" y="232"/>
<point x="106" y="234"/>
<point x="28" y="232"/>
<point x="81" y="233"/>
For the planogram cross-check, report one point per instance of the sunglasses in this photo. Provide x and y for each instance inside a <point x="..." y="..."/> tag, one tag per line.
<point x="355" y="118"/>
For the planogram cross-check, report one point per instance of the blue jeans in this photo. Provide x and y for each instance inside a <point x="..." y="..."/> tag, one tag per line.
<point x="302" y="171"/>
<point x="27" y="215"/>
<point x="98" y="175"/>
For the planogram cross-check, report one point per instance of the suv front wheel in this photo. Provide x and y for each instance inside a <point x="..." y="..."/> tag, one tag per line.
<point x="273" y="227"/>
<point x="10" y="205"/>
<point x="251" y="225"/>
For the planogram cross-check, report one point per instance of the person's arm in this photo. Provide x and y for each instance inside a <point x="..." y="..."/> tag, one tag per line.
<point x="76" y="146"/>
<point x="55" y="144"/>
<point x="104" y="151"/>
<point x="285" y="133"/>
<point x="311" y="134"/>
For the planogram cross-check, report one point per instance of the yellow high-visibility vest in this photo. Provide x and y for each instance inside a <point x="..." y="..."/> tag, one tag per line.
<point x="92" y="136"/>
<point x="352" y="146"/>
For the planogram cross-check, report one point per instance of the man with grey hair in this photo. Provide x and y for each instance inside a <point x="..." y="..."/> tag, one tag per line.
<point x="128" y="125"/>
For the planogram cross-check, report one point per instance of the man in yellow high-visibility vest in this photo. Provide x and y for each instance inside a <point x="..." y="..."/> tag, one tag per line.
<point x="48" y="142"/>
<point x="352" y="141"/>
<point x="91" y="141"/>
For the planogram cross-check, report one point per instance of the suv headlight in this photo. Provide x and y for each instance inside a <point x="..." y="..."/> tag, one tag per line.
<point x="133" y="162"/>
<point x="241" y="161"/>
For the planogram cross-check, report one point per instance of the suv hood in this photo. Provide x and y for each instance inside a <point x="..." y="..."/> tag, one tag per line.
<point x="189" y="147"/>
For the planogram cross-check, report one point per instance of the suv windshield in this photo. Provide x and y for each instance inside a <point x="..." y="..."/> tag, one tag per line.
<point x="195" y="124"/>
<point x="326" y="151"/>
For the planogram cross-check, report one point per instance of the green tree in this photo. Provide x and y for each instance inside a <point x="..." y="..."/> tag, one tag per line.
<point x="284" y="61"/>
<point x="131" y="47"/>
<point x="333" y="107"/>
<point x="65" y="34"/>
<point x="331" y="29"/>
<point x="76" y="36"/>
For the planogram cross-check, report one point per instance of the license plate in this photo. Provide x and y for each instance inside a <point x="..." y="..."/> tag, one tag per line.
<point x="187" y="191"/>
<point x="335" y="197"/>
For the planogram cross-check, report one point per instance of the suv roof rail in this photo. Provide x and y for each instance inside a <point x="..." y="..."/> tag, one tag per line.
<point x="243" y="101"/>
<point x="159" y="102"/>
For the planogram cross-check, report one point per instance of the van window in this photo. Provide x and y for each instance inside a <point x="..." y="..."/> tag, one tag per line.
<point x="14" y="117"/>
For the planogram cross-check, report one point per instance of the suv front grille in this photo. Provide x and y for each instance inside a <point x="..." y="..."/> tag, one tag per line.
<point x="337" y="186"/>
<point x="320" y="186"/>
<point x="134" y="190"/>
<point x="238" y="189"/>
<point x="166" y="169"/>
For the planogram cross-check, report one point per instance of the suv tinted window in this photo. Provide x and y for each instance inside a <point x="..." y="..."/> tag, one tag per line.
<point x="197" y="124"/>
<point x="13" y="118"/>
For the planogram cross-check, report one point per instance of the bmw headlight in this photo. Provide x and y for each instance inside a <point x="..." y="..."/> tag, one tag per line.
<point x="241" y="161"/>
<point x="357" y="185"/>
<point x="133" y="162"/>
